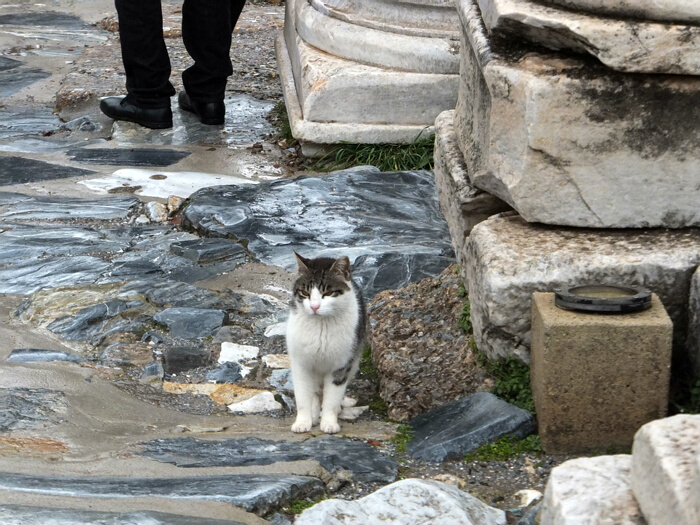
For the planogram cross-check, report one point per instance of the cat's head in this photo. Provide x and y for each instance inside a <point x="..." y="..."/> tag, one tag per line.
<point x="324" y="285"/>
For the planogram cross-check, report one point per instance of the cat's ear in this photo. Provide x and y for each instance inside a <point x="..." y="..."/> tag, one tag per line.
<point x="342" y="266"/>
<point x="301" y="263"/>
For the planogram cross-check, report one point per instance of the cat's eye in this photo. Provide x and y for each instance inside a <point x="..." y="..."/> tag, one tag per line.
<point x="334" y="293"/>
<point x="303" y="293"/>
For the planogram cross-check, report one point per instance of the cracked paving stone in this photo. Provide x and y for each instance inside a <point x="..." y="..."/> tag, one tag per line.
<point x="22" y="515"/>
<point x="255" y="493"/>
<point x="207" y="250"/>
<point x="146" y="157"/>
<point x="333" y="453"/>
<point x="356" y="212"/>
<point x="18" y="170"/>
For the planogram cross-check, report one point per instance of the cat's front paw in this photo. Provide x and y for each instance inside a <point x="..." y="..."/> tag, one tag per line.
<point x="301" y="425"/>
<point x="330" y="426"/>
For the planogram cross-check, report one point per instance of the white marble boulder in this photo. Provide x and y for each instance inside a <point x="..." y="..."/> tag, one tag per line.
<point x="665" y="475"/>
<point x="566" y="141"/>
<point x="506" y="259"/>
<point x="591" y="491"/>
<point x="408" y="501"/>
<point x="463" y="205"/>
<point x="623" y="44"/>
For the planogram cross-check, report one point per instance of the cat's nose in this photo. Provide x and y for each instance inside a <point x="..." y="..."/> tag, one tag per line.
<point x="315" y="307"/>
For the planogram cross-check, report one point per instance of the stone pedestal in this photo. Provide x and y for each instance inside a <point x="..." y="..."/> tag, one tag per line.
<point x="566" y="141"/>
<point x="596" y="379"/>
<point x="506" y="259"/>
<point x="679" y="11"/>
<point x="367" y="71"/>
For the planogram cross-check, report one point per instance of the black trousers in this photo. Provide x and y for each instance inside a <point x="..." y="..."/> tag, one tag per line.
<point x="207" y="26"/>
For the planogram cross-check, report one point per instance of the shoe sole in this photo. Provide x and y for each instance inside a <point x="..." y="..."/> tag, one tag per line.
<point x="150" y="125"/>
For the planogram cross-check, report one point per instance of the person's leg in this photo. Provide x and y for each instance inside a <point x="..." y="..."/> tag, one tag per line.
<point x="145" y="57"/>
<point x="207" y="26"/>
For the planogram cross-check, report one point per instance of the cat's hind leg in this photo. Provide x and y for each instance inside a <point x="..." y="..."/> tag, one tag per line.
<point x="332" y="397"/>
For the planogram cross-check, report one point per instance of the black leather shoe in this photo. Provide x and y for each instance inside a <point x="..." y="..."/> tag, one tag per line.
<point x="207" y="112"/>
<point x="121" y="108"/>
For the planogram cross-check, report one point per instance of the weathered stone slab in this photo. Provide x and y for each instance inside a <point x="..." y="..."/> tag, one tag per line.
<point x="38" y="355"/>
<point x="7" y="63"/>
<point x="406" y="501"/>
<point x="44" y="19"/>
<point x="90" y="321"/>
<point x="255" y="493"/>
<point x="462" y="204"/>
<point x="462" y="426"/>
<point x="19" y="515"/>
<point x="190" y="323"/>
<point x="225" y="373"/>
<point x="181" y="358"/>
<point x="354" y="212"/>
<point x="202" y="251"/>
<point x="23" y="408"/>
<point x="665" y="470"/>
<point x="147" y="157"/>
<point x="567" y="141"/>
<point x="693" y="343"/>
<point x="505" y="260"/>
<point x="18" y="122"/>
<point x="628" y="45"/>
<point x="680" y="11"/>
<point x="14" y="80"/>
<point x="19" y="170"/>
<point x="596" y="379"/>
<point x="258" y="404"/>
<point x="20" y="206"/>
<point x="595" y="491"/>
<point x="30" y="276"/>
<point x="127" y="354"/>
<point x="333" y="453"/>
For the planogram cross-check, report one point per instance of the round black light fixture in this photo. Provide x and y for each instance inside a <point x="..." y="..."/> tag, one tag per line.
<point x="603" y="298"/>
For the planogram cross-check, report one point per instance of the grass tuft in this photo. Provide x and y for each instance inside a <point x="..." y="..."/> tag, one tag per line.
<point x="300" y="505"/>
<point x="505" y="448"/>
<point x="280" y="119"/>
<point x="404" y="434"/>
<point x="387" y="157"/>
<point x="370" y="373"/>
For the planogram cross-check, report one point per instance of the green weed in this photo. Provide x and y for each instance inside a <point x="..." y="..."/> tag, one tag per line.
<point x="404" y="434"/>
<point x="370" y="373"/>
<point x="417" y="155"/>
<point x="280" y="120"/>
<point x="465" y="320"/>
<point x="505" y="448"/>
<point x="300" y="505"/>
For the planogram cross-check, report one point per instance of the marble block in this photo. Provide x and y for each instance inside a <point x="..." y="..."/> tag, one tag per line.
<point x="596" y="379"/>
<point x="665" y="470"/>
<point x="591" y="491"/>
<point x="506" y="259"/>
<point x="682" y="11"/>
<point x="461" y="203"/>
<point x="628" y="45"/>
<point x="565" y="140"/>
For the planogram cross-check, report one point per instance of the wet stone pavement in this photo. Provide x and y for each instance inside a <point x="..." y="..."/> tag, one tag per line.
<point x="144" y="283"/>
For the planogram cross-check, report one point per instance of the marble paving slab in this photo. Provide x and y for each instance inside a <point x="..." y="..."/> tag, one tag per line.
<point x="148" y="157"/>
<point x="19" y="170"/>
<point x="255" y="493"/>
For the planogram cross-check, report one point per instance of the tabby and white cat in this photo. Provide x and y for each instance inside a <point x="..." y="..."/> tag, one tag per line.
<point x="325" y="338"/>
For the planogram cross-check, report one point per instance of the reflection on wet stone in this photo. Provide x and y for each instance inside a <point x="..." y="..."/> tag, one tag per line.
<point x="30" y="207"/>
<point x="255" y="493"/>
<point x="127" y="157"/>
<point x="355" y="212"/>
<point x="333" y="453"/>
<point x="23" y="408"/>
<point x="18" y="515"/>
<point x="207" y="250"/>
<point x="18" y="170"/>
<point x="37" y="355"/>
